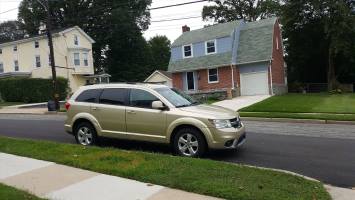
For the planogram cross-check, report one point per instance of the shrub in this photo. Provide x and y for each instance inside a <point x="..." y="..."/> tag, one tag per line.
<point x="31" y="90"/>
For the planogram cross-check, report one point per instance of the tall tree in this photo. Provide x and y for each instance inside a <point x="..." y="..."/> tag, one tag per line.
<point x="320" y="40"/>
<point x="11" y="30"/>
<point x="250" y="10"/>
<point x="103" y="20"/>
<point x="160" y="50"/>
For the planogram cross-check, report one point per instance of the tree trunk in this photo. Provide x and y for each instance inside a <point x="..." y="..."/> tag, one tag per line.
<point x="331" y="70"/>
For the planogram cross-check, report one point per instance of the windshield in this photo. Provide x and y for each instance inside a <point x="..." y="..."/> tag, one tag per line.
<point x="176" y="97"/>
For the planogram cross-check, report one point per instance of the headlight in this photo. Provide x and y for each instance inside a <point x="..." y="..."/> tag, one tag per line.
<point x="221" y="123"/>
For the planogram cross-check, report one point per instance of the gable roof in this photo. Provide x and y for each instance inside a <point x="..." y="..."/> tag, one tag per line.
<point x="166" y="74"/>
<point x="255" y="41"/>
<point x="207" y="33"/>
<point x="55" y="33"/>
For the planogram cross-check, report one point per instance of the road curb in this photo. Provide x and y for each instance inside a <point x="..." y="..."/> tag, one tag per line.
<point x="309" y="121"/>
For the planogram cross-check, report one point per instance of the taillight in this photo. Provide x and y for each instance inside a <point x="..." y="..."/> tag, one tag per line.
<point x="67" y="105"/>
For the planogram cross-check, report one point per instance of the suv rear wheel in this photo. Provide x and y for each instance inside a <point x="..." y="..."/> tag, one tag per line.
<point x="189" y="142"/>
<point x="85" y="134"/>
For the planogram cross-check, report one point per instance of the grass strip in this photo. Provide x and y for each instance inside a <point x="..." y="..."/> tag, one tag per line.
<point x="321" y="116"/>
<point x="306" y="103"/>
<point x="10" y="193"/>
<point x="201" y="176"/>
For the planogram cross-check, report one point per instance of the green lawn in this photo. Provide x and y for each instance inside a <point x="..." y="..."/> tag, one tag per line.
<point x="306" y="103"/>
<point x="3" y="104"/>
<point x="10" y="193"/>
<point x="202" y="176"/>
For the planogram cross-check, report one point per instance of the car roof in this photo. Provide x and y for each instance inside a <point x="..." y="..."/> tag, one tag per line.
<point x="124" y="85"/>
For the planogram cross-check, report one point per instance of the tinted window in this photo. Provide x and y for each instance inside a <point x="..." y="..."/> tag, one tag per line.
<point x="141" y="98"/>
<point x="89" y="95"/>
<point x="114" y="96"/>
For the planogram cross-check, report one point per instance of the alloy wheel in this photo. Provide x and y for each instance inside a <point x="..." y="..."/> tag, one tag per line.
<point x="188" y="144"/>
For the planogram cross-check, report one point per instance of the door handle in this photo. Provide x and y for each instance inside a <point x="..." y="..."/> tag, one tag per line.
<point x="131" y="112"/>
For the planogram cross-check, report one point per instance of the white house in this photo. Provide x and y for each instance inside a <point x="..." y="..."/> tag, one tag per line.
<point x="159" y="76"/>
<point x="29" y="57"/>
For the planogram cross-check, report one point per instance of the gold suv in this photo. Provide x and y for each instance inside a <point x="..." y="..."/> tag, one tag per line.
<point x="151" y="112"/>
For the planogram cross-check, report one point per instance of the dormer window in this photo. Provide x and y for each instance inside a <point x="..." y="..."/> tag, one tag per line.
<point x="15" y="48"/>
<point x="211" y="47"/>
<point x="36" y="44"/>
<point x="76" y="40"/>
<point x="187" y="51"/>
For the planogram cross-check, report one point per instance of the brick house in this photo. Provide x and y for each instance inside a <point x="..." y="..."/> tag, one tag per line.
<point x="246" y="57"/>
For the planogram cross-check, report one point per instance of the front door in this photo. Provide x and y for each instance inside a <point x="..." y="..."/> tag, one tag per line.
<point x="144" y="122"/>
<point x="190" y="80"/>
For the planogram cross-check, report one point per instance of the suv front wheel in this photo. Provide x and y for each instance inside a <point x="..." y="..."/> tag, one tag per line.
<point x="85" y="134"/>
<point x="189" y="142"/>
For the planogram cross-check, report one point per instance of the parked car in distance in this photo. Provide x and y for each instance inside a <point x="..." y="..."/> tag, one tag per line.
<point x="154" y="113"/>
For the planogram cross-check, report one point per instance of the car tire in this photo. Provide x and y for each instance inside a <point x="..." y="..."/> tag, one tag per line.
<point x="85" y="134"/>
<point x="189" y="142"/>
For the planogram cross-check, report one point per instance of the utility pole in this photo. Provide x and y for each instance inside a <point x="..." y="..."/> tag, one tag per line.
<point x="51" y="52"/>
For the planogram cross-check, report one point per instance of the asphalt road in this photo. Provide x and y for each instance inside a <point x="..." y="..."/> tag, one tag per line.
<point x="322" y="151"/>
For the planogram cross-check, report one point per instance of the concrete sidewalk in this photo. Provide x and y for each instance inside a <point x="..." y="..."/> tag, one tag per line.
<point x="241" y="102"/>
<point x="49" y="180"/>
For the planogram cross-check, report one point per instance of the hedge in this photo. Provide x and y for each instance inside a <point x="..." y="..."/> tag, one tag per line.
<point x="31" y="90"/>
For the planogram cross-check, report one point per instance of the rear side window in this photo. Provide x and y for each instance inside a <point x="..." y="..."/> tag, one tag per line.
<point x="141" y="98"/>
<point x="114" y="96"/>
<point x="89" y="95"/>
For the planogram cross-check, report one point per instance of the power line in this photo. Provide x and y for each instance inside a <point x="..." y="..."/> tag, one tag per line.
<point x="174" y="19"/>
<point x="8" y="10"/>
<point x="180" y="4"/>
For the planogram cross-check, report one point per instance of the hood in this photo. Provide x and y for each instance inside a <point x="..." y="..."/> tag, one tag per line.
<point x="216" y="112"/>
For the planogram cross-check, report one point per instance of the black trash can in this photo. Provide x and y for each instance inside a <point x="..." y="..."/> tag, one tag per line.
<point x="51" y="105"/>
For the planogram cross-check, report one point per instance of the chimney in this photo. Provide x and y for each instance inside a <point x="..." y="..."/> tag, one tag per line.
<point x="185" y="28"/>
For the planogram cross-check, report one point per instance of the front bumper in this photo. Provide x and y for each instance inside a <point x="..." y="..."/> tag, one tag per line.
<point x="229" y="138"/>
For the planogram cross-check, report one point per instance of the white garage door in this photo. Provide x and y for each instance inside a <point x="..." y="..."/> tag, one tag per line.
<point x="255" y="83"/>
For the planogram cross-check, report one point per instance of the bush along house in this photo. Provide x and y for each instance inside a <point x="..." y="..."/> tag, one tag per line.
<point x="243" y="57"/>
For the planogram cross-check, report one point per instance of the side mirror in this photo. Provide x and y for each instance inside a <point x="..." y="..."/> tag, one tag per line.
<point x="158" y="105"/>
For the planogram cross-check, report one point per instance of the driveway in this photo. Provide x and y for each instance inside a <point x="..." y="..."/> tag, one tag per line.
<point x="241" y="102"/>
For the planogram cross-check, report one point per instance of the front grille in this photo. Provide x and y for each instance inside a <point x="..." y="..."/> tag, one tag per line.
<point x="235" y="122"/>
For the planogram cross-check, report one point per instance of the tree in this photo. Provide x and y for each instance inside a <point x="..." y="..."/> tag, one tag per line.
<point x="249" y="10"/>
<point x="160" y="50"/>
<point x="103" y="20"/>
<point x="320" y="40"/>
<point x="11" y="30"/>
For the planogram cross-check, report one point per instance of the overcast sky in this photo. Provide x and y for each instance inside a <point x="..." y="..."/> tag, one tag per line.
<point x="172" y="29"/>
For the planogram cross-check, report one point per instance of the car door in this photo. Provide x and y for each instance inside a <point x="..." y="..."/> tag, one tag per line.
<point x="144" y="122"/>
<point x="111" y="111"/>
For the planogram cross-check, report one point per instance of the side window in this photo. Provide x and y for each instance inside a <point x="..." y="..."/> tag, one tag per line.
<point x="141" y="98"/>
<point x="114" y="96"/>
<point x="88" y="95"/>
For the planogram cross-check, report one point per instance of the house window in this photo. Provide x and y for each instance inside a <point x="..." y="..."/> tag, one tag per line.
<point x="187" y="51"/>
<point x="85" y="59"/>
<point x="76" y="40"/>
<point x="38" y="61"/>
<point x="16" y="65"/>
<point x="36" y="44"/>
<point x="1" y="67"/>
<point x="15" y="48"/>
<point x="211" y="47"/>
<point x="76" y="59"/>
<point x="213" y="75"/>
